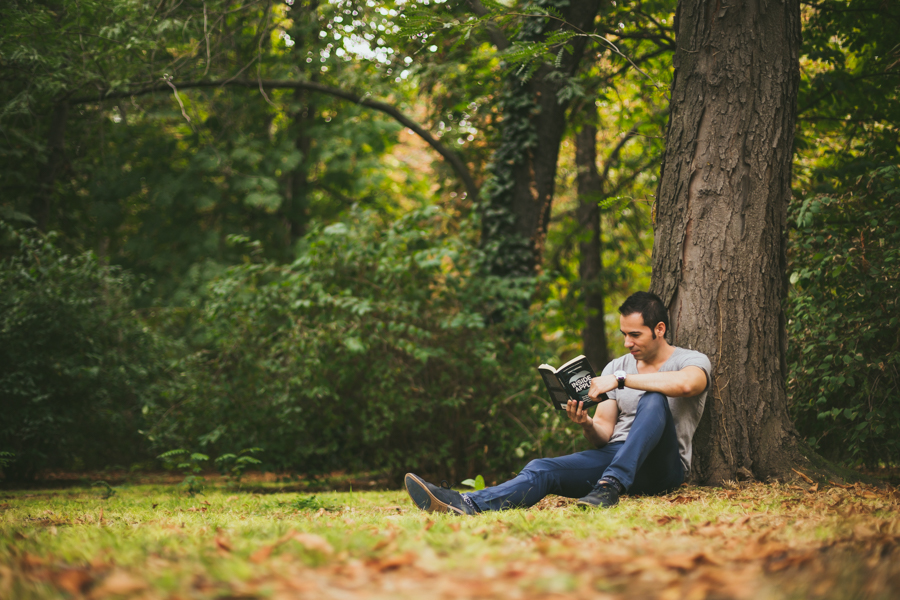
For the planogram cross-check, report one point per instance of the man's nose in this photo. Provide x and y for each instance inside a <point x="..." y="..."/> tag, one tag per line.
<point x="629" y="342"/>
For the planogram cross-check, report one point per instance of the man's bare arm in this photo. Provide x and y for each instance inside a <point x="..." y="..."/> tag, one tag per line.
<point x="598" y="429"/>
<point x="687" y="382"/>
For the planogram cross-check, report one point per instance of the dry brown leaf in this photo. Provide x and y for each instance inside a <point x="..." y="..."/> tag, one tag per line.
<point x="385" y="541"/>
<point x="710" y="531"/>
<point x="681" y="500"/>
<point x="666" y="519"/>
<point x="394" y="562"/>
<point x="74" y="581"/>
<point x="262" y="554"/>
<point x="118" y="583"/>
<point x="314" y="542"/>
<point x="791" y="560"/>
<point x="682" y="562"/>
<point x="454" y="526"/>
<point x="223" y="544"/>
<point x="805" y="477"/>
<point x="429" y="524"/>
<point x="29" y="561"/>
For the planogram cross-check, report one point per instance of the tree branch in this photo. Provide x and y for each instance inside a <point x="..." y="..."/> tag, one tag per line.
<point x="451" y="157"/>
<point x="496" y="35"/>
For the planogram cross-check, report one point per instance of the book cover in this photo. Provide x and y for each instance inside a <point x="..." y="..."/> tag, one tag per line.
<point x="570" y="381"/>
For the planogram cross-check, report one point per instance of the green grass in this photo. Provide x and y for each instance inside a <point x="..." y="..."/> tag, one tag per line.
<point x="155" y="541"/>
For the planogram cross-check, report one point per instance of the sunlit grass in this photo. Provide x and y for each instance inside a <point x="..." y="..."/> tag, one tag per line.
<point x="156" y="540"/>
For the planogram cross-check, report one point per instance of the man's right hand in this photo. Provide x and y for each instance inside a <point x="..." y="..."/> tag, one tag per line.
<point x="578" y="414"/>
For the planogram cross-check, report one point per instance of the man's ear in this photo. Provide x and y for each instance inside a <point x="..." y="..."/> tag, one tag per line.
<point x="660" y="329"/>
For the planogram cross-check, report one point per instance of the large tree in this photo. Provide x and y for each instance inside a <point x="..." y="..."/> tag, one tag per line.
<point x="719" y="252"/>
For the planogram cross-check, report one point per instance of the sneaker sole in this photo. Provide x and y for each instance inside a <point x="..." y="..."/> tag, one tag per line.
<point x="424" y="499"/>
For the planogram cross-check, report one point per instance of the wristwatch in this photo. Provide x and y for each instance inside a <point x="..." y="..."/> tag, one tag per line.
<point x="620" y="377"/>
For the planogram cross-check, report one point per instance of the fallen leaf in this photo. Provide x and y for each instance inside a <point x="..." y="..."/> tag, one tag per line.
<point x="119" y="583"/>
<point x="223" y="544"/>
<point x="805" y="477"/>
<point x="681" y="500"/>
<point x="30" y="561"/>
<point x="314" y="542"/>
<point x="666" y="519"/>
<point x="429" y="524"/>
<point x="394" y="562"/>
<point x="682" y="562"/>
<point x="74" y="581"/>
<point x="383" y="542"/>
<point x="262" y="554"/>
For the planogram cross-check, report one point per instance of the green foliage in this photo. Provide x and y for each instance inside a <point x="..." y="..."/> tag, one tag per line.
<point x="313" y="503"/>
<point x="78" y="362"/>
<point x="356" y="354"/>
<point x="844" y="319"/>
<point x="107" y="490"/>
<point x="235" y="464"/>
<point x="6" y="459"/>
<point x="191" y="464"/>
<point x="476" y="484"/>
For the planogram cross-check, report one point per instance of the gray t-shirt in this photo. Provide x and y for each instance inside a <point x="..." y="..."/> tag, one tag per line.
<point x="685" y="411"/>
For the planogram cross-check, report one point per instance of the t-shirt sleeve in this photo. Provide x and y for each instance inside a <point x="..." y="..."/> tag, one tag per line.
<point x="693" y="358"/>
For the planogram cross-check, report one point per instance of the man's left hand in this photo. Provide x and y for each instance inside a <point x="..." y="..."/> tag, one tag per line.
<point x="601" y="385"/>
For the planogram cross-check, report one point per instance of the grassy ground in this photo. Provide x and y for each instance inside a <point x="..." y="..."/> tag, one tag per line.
<point x="155" y="541"/>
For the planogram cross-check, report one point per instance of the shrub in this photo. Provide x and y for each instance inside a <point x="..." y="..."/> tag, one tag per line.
<point x="77" y="363"/>
<point x="844" y="321"/>
<point x="369" y="352"/>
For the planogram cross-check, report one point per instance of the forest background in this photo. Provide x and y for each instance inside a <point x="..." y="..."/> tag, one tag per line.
<point x="258" y="224"/>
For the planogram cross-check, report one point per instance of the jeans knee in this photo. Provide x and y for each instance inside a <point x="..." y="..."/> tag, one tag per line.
<point x="653" y="401"/>
<point x="536" y="467"/>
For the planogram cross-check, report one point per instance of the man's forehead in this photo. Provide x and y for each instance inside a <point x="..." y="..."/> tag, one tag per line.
<point x="632" y="322"/>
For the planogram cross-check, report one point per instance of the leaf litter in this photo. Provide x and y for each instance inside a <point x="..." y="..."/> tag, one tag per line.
<point x="747" y="540"/>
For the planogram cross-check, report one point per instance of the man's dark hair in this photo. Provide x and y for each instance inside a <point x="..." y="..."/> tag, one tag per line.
<point x="651" y="308"/>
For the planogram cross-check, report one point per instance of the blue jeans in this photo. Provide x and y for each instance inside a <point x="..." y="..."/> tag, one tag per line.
<point x="647" y="462"/>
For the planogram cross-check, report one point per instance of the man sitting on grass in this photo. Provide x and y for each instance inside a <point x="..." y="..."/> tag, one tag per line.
<point x="642" y="434"/>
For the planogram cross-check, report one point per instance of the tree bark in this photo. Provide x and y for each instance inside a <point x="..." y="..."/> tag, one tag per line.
<point x="306" y="35"/>
<point x="523" y="170"/>
<point x="719" y="249"/>
<point x="590" y="267"/>
<point x="42" y="202"/>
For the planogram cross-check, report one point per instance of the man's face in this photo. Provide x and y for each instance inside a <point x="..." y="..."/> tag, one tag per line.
<point x="639" y="338"/>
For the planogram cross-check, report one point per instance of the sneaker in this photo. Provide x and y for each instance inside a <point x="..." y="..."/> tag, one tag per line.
<point x="431" y="498"/>
<point x="604" y="495"/>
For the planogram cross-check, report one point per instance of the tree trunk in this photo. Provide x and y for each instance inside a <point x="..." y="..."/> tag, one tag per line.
<point x="523" y="169"/>
<point x="305" y="33"/>
<point x="42" y="202"/>
<point x="590" y="267"/>
<point x="719" y="250"/>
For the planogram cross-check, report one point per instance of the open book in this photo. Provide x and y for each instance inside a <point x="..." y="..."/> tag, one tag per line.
<point x="572" y="380"/>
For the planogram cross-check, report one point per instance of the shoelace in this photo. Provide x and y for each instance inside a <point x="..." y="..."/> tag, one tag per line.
<point x="445" y="484"/>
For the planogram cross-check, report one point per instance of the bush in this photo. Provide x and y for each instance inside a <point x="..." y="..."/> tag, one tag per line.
<point x="77" y="363"/>
<point x="844" y="321"/>
<point x="369" y="352"/>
